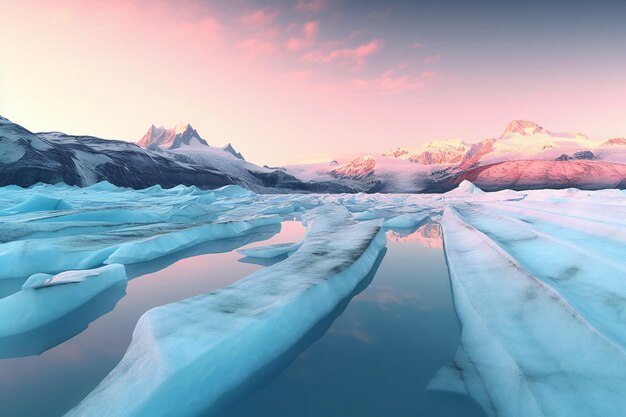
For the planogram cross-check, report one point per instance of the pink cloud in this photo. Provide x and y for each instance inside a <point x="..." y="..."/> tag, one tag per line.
<point x="314" y="6"/>
<point x="359" y="53"/>
<point x="389" y="83"/>
<point x="310" y="29"/>
<point x="259" y="18"/>
<point x="309" y="32"/>
<point x="417" y="45"/>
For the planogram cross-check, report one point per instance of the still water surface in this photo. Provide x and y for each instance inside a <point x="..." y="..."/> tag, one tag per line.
<point x="372" y="357"/>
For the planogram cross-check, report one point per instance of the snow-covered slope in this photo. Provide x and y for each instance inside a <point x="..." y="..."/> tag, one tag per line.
<point x="171" y="157"/>
<point x="179" y="155"/>
<point x="433" y="153"/>
<point x="183" y="144"/>
<point x="357" y="169"/>
<point x="441" y="165"/>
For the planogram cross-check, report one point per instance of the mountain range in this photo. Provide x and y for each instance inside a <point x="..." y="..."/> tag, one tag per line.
<point x="524" y="156"/>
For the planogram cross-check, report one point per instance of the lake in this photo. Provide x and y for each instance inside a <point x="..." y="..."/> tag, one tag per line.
<point x="373" y="356"/>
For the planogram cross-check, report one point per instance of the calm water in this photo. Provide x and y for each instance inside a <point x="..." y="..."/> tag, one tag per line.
<point x="372" y="357"/>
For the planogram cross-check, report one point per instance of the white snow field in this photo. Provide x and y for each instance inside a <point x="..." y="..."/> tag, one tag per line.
<point x="538" y="279"/>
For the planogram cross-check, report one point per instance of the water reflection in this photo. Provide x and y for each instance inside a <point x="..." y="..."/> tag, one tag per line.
<point x="263" y="261"/>
<point x="377" y="357"/>
<point x="428" y="234"/>
<point x="373" y="356"/>
<point x="52" y="334"/>
<point x="273" y="369"/>
<point x="83" y="360"/>
<point x="217" y="246"/>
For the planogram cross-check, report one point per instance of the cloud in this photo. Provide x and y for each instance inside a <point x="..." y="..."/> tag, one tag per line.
<point x="417" y="45"/>
<point x="358" y="54"/>
<point x="311" y="6"/>
<point x="264" y="33"/>
<point x="390" y="83"/>
<point x="309" y="32"/>
<point x="259" y="18"/>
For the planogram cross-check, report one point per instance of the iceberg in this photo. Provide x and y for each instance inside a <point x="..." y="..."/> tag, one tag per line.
<point x="271" y="251"/>
<point x="45" y="301"/>
<point x="468" y="190"/>
<point x="160" y="245"/>
<point x="186" y="358"/>
<point x="406" y="221"/>
<point x="214" y="246"/>
<point x="366" y="215"/>
<point x="40" y="202"/>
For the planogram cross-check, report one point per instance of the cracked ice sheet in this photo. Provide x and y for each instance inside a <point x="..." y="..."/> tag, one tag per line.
<point x="187" y="356"/>
<point x="533" y="344"/>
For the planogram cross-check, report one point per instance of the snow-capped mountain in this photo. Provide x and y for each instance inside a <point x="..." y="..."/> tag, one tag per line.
<point x="183" y="143"/>
<point x="180" y="135"/>
<point x="169" y="157"/>
<point x="356" y="169"/>
<point x="433" y="153"/>
<point x="570" y="159"/>
<point x="522" y="128"/>
<point x="537" y="174"/>
<point x="525" y="156"/>
<point x="27" y="158"/>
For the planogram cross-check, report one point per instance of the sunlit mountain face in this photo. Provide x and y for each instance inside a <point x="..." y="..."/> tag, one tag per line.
<point x="525" y="155"/>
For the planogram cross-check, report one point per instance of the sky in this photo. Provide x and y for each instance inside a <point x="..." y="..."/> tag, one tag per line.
<point x="289" y="81"/>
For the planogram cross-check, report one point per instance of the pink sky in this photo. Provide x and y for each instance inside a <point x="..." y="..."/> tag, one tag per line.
<point x="284" y="84"/>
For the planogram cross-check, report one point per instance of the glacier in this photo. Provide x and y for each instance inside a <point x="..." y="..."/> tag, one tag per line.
<point x="194" y="352"/>
<point x="542" y="305"/>
<point x="104" y="224"/>
<point x="538" y="283"/>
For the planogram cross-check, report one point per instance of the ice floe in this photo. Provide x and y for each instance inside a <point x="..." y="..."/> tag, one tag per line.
<point x="186" y="357"/>
<point x="271" y="251"/>
<point x="46" y="300"/>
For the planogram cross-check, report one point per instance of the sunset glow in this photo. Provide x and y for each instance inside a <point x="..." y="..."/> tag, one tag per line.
<point x="333" y="77"/>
